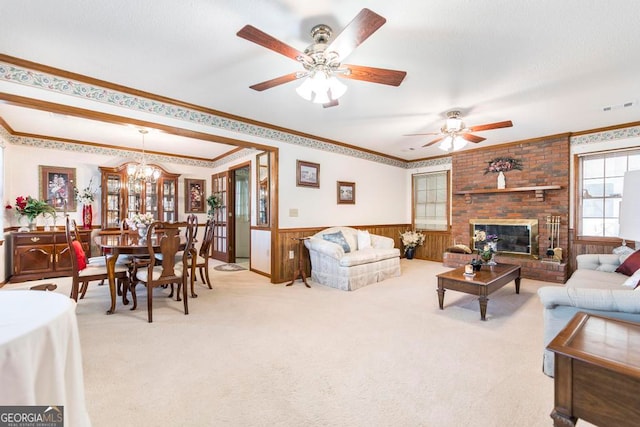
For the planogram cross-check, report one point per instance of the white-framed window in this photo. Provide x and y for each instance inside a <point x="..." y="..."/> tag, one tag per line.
<point x="599" y="190"/>
<point x="431" y="201"/>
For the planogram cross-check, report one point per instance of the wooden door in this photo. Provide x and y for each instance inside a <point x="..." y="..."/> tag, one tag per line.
<point x="220" y="244"/>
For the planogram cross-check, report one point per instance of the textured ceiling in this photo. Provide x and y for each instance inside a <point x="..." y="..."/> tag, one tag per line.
<point x="548" y="66"/>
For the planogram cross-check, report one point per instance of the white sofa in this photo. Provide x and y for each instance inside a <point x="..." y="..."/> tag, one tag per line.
<point x="355" y="265"/>
<point x="594" y="287"/>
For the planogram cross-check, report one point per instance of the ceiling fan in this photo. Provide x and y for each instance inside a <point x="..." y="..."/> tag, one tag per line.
<point x="322" y="59"/>
<point x="454" y="134"/>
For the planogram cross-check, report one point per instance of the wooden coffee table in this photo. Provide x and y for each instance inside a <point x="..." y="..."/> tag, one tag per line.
<point x="489" y="279"/>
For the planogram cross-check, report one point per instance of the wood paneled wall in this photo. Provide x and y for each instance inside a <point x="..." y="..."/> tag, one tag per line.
<point x="434" y="246"/>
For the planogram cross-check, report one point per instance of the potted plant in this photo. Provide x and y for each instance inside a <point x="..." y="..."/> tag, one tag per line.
<point x="411" y="240"/>
<point x="30" y="208"/>
<point x="214" y="202"/>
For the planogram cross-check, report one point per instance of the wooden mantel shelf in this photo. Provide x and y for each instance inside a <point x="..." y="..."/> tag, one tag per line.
<point x="538" y="190"/>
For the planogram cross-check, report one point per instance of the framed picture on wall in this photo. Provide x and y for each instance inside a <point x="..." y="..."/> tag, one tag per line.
<point x="56" y="187"/>
<point x="346" y="193"/>
<point x="194" y="190"/>
<point x="307" y="174"/>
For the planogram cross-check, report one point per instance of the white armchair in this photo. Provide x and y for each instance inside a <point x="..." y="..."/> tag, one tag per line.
<point x="359" y="259"/>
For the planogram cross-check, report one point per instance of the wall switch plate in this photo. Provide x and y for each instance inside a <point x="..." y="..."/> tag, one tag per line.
<point x="291" y="255"/>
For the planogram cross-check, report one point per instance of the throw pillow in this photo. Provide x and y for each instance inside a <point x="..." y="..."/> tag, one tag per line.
<point x="80" y="256"/>
<point x="632" y="281"/>
<point x="337" y="238"/>
<point x="459" y="249"/>
<point x="630" y="265"/>
<point x="364" y="239"/>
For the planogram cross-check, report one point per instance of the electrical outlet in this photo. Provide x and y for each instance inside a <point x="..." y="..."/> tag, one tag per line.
<point x="291" y="255"/>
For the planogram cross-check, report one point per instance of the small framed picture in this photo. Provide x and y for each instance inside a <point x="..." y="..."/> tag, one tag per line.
<point x="346" y="193"/>
<point x="307" y="174"/>
<point x="194" y="190"/>
<point x="56" y="187"/>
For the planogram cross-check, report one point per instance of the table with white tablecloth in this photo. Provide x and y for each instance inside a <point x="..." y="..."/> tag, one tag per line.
<point x="40" y="357"/>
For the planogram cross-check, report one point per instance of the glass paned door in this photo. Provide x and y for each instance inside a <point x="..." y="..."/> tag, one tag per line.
<point x="168" y="200"/>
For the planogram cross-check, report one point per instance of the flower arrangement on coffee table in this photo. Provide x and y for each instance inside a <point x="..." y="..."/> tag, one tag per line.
<point x="486" y="245"/>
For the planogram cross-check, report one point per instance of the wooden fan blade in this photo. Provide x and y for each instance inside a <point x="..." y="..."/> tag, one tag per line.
<point x="257" y="36"/>
<point x="506" y="124"/>
<point x="374" y="75"/>
<point x="358" y="30"/>
<point x="274" y="82"/>
<point x="471" y="138"/>
<point x="434" y="141"/>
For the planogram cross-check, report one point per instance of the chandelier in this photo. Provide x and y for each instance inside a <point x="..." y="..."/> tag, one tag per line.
<point x="142" y="173"/>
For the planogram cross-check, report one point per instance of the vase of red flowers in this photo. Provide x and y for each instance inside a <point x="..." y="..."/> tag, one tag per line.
<point x="29" y="209"/>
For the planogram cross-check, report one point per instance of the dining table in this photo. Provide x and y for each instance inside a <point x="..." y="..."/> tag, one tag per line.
<point x="125" y="243"/>
<point x="40" y="355"/>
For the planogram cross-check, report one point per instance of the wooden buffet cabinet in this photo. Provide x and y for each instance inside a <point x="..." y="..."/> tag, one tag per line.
<point x="122" y="199"/>
<point x="43" y="254"/>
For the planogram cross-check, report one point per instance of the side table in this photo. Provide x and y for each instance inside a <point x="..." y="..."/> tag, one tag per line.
<point x="299" y="272"/>
<point x="597" y="372"/>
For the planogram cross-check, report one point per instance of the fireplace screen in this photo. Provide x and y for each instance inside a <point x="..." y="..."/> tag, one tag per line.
<point x="517" y="236"/>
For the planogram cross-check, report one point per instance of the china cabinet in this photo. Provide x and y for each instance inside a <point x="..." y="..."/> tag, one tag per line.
<point x="123" y="198"/>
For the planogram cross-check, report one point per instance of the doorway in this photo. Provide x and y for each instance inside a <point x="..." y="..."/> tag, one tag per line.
<point x="240" y="218"/>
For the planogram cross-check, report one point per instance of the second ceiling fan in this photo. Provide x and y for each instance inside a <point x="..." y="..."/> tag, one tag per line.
<point x="322" y="60"/>
<point x="454" y="129"/>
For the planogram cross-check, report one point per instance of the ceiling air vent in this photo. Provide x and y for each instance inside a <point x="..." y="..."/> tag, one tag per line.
<point x="619" y="106"/>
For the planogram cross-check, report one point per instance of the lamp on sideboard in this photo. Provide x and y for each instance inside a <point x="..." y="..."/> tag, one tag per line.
<point x="630" y="207"/>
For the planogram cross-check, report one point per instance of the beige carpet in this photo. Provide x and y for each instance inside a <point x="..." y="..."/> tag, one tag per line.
<point x="256" y="354"/>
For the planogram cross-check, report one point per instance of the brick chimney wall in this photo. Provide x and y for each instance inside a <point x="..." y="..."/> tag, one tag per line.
<point x="544" y="162"/>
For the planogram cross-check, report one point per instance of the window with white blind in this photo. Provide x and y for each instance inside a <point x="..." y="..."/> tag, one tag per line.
<point x="600" y="190"/>
<point x="431" y="201"/>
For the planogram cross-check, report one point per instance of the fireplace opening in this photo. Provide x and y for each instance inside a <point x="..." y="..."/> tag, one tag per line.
<point x="517" y="236"/>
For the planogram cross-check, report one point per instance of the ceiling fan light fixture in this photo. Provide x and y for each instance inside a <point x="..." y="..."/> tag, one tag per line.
<point x="316" y="88"/>
<point x="446" y="144"/>
<point x="459" y="143"/>
<point x="454" y="124"/>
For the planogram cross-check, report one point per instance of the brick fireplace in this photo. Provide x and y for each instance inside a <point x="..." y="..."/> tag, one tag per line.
<point x="539" y="190"/>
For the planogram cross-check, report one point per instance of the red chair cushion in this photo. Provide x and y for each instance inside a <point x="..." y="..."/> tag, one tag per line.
<point x="630" y="265"/>
<point x="82" y="259"/>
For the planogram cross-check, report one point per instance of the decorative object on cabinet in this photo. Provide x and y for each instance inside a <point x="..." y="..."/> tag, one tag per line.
<point x="86" y="197"/>
<point x="307" y="174"/>
<point x="56" y="187"/>
<point x="141" y="173"/>
<point x="194" y="190"/>
<point x="29" y="209"/>
<point x="346" y="193"/>
<point x="121" y="198"/>
<point x="43" y="254"/>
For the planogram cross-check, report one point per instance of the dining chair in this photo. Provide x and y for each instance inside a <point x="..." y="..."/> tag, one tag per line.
<point x="202" y="261"/>
<point x="164" y="238"/>
<point x="87" y="270"/>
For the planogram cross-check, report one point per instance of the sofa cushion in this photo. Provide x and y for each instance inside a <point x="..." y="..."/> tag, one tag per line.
<point x="582" y="278"/>
<point x="368" y="255"/>
<point x="364" y="239"/>
<point x="632" y="281"/>
<point x="630" y="265"/>
<point x="338" y="238"/>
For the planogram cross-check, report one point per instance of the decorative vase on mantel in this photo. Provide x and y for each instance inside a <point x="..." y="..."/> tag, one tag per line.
<point x="502" y="181"/>
<point x="87" y="216"/>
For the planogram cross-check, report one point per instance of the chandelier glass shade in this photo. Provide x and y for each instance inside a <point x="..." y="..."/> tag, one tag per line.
<point x="141" y="173"/>
<point x="321" y="88"/>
